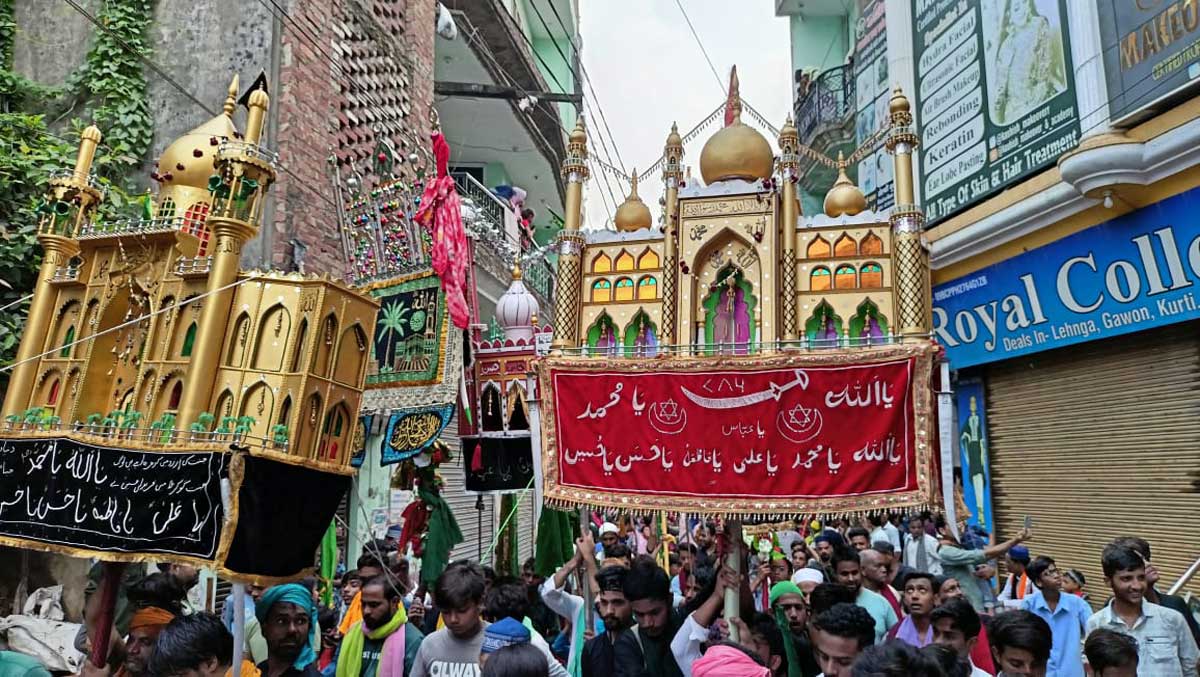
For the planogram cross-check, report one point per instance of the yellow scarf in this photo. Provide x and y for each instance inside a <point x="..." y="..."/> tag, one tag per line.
<point x="352" y="616"/>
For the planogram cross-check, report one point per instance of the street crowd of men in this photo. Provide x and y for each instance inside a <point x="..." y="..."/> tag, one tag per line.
<point x="868" y="600"/>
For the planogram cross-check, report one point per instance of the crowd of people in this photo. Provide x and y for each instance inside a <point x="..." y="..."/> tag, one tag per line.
<point x="888" y="597"/>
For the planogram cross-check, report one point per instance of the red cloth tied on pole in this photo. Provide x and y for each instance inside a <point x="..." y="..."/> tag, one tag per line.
<point x="441" y="214"/>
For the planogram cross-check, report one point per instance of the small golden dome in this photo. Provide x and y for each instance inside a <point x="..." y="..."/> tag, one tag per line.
<point x="673" y="139"/>
<point x="188" y="161"/>
<point x="899" y="102"/>
<point x="845" y="198"/>
<point x="578" y="135"/>
<point x="633" y="214"/>
<point x="789" y="129"/>
<point x="91" y="133"/>
<point x="736" y="152"/>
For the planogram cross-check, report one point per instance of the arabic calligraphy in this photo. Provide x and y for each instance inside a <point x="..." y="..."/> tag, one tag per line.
<point x="874" y="395"/>
<point x="415" y="430"/>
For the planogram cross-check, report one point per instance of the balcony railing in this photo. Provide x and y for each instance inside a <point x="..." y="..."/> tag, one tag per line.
<point x="825" y="101"/>
<point x="67" y="273"/>
<point x="193" y="265"/>
<point x="131" y="227"/>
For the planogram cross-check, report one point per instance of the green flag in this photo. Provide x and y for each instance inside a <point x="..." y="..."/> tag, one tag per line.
<point x="555" y="540"/>
<point x="329" y="561"/>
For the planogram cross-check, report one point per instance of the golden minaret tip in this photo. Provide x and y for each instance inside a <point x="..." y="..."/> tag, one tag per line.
<point x="91" y="133"/>
<point x="231" y="99"/>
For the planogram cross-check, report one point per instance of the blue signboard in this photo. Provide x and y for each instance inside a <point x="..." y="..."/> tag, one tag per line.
<point x="1129" y="274"/>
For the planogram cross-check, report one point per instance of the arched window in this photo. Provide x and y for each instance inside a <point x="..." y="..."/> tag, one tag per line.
<point x="352" y="353"/>
<point x="625" y="261"/>
<point x="516" y="407"/>
<point x="845" y="277"/>
<point x="647" y="288"/>
<point x="820" y="279"/>
<point x="285" y="411"/>
<point x="870" y="276"/>
<point x="273" y="332"/>
<point x="601" y="291"/>
<point x="176" y="395"/>
<point x="298" y="355"/>
<point x="237" y="341"/>
<point x="323" y="355"/>
<point x="224" y="406"/>
<point x="624" y="290"/>
<point x="195" y="222"/>
<point x="307" y="439"/>
<point x="189" y="341"/>
<point x="166" y="209"/>
<point x="52" y="397"/>
<point x="334" y="433"/>
<point x="871" y="245"/>
<point x="648" y="260"/>
<point x="68" y="339"/>
<point x="818" y="248"/>
<point x="601" y="264"/>
<point x="491" y="408"/>
<point x="845" y="246"/>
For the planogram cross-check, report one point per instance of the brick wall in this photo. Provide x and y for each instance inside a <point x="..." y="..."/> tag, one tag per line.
<point x="380" y="84"/>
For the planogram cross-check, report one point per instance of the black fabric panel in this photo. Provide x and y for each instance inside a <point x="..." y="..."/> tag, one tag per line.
<point x="283" y="512"/>
<point x="506" y="463"/>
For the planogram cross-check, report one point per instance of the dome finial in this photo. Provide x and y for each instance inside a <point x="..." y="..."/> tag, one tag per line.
<point x="231" y="99"/>
<point x="516" y="267"/>
<point x="844" y="198"/>
<point x="633" y="214"/>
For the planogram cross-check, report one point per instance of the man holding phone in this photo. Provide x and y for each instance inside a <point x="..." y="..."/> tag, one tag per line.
<point x="959" y="563"/>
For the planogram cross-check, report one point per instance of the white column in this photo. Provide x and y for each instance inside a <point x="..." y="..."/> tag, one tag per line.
<point x="1087" y="53"/>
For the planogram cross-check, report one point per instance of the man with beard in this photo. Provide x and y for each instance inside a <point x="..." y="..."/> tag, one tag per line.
<point x="454" y="650"/>
<point x="599" y="652"/>
<point x="288" y="618"/>
<point x="384" y="641"/>
<point x="848" y="572"/>
<point x="920" y="596"/>
<point x="646" y="650"/>
<point x="791" y="615"/>
<point x="144" y="628"/>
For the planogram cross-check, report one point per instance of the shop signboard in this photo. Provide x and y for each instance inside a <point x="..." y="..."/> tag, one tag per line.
<point x="1133" y="273"/>
<point x="995" y="97"/>
<point x="973" y="448"/>
<point x="1151" y="52"/>
<point x="872" y="88"/>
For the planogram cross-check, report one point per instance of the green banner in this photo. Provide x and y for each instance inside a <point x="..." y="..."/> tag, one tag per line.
<point x="995" y="96"/>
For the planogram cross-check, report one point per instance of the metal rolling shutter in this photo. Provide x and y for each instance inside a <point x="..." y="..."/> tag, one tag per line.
<point x="461" y="503"/>
<point x="525" y="526"/>
<point x="1098" y="441"/>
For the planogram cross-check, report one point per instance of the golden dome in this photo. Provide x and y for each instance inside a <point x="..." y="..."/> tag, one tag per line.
<point x="899" y="102"/>
<point x="736" y="152"/>
<point x="673" y="139"/>
<point x="578" y="135"/>
<point x="188" y="162"/>
<point x="844" y="198"/>
<point x="633" y="214"/>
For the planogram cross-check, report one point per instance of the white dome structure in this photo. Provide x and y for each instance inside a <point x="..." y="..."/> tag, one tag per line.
<point x="517" y="309"/>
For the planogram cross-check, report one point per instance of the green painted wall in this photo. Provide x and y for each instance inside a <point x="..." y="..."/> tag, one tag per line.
<point x="494" y="174"/>
<point x="819" y="42"/>
<point x="548" y="50"/>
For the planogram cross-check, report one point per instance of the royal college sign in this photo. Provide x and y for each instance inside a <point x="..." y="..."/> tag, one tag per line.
<point x="1137" y="271"/>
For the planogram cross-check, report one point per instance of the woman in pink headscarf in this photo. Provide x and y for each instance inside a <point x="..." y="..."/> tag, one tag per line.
<point x="723" y="660"/>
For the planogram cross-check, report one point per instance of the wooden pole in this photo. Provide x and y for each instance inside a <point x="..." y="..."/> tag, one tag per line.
<point x="733" y="560"/>
<point x="238" y="599"/>
<point x="110" y="583"/>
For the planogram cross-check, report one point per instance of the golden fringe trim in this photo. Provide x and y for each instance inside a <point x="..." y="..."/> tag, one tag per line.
<point x="104" y="555"/>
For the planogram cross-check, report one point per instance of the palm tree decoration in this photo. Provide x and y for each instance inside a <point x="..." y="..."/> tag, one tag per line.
<point x="227" y="423"/>
<point x="244" y="425"/>
<point x="110" y="422"/>
<point x="279" y="434"/>
<point x="13" y="420"/>
<point x="393" y="320"/>
<point x="132" y="418"/>
<point x="166" y="427"/>
<point x="32" y="416"/>
<point x="93" y="421"/>
<point x="202" y="424"/>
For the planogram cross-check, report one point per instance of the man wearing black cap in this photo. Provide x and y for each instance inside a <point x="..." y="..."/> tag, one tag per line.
<point x="598" y="659"/>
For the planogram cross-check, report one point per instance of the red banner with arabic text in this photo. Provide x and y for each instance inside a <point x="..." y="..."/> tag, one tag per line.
<point x="813" y="433"/>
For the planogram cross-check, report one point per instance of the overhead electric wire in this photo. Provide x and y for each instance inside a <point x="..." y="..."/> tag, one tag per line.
<point x="695" y="35"/>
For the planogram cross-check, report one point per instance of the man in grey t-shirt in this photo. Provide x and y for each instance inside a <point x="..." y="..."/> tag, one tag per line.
<point x="454" y="650"/>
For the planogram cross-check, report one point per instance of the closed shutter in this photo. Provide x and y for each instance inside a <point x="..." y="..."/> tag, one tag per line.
<point x="525" y="526"/>
<point x="1098" y="441"/>
<point x="462" y="504"/>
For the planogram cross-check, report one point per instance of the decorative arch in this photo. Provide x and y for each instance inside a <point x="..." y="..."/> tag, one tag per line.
<point x="824" y="327"/>
<point x="161" y="330"/>
<point x="871" y="245"/>
<point x="273" y="332"/>
<point x="71" y="387"/>
<point x="641" y="336"/>
<point x="624" y="261"/>
<point x="238" y="340"/>
<point x="146" y="395"/>
<point x="845" y="277"/>
<point x="729" y="312"/>
<point x="224" y="405"/>
<point x="515" y="418"/>
<point x="491" y="408"/>
<point x="624" y="290"/>
<point x="870" y="276"/>
<point x="285" y="413"/>
<point x="648" y="260"/>
<point x="869" y="326"/>
<point x="298" y="350"/>
<point x="65" y="329"/>
<point x="351" y="356"/>
<point x="601" y="291"/>
<point x="647" y="287"/>
<point x="174" y="396"/>
<point x="845" y="246"/>
<point x="602" y="263"/>
<point x="602" y="335"/>
<point x="820" y="279"/>
<point x="91" y="317"/>
<point x="259" y="403"/>
<point x="189" y="340"/>
<point x="50" y="391"/>
<point x="306" y="436"/>
<point x="335" y="433"/>
<point x="819" y="248"/>
<point x="195" y="222"/>
<point x="322" y="362"/>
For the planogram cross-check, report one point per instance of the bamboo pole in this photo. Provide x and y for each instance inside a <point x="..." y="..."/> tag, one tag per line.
<point x="733" y="560"/>
<point x="109" y="585"/>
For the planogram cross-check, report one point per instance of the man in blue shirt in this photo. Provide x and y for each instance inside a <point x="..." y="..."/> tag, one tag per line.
<point x="1067" y="616"/>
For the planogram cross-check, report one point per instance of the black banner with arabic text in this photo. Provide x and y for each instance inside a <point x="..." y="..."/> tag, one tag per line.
<point x="504" y="464"/>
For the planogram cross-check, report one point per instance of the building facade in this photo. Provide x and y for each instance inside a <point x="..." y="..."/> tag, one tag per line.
<point x="1058" y="173"/>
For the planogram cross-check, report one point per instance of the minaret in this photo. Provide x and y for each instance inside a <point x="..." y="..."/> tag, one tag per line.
<point x="910" y="256"/>
<point x="68" y="207"/>
<point x="570" y="244"/>
<point x="239" y="185"/>
<point x="672" y="177"/>
<point x="789" y="165"/>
